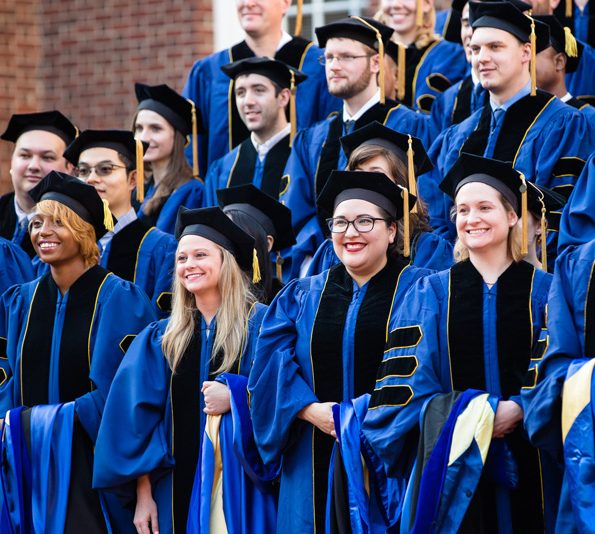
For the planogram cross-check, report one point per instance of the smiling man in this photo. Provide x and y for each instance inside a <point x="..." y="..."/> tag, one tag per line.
<point x="40" y="140"/>
<point x="134" y="251"/>
<point x="212" y="91"/>
<point x="262" y="88"/>
<point x="544" y="138"/>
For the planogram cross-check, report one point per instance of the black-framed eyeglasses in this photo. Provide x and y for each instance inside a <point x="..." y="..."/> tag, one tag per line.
<point x="342" y="60"/>
<point x="101" y="170"/>
<point x="362" y="224"/>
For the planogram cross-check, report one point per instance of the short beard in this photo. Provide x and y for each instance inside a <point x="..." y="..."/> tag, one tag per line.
<point x="354" y="89"/>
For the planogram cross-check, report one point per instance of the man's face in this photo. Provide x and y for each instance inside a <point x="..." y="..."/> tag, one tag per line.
<point x="498" y="57"/>
<point x="349" y="67"/>
<point x="36" y="153"/>
<point x="261" y="17"/>
<point x="543" y="7"/>
<point x="466" y="31"/>
<point x="257" y="103"/>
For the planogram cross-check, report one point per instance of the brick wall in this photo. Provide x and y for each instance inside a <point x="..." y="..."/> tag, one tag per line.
<point x="83" y="57"/>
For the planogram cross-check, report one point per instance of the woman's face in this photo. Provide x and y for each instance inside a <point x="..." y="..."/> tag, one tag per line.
<point x="482" y="221"/>
<point x="376" y="164"/>
<point x="52" y="241"/>
<point x="198" y="265"/>
<point x="362" y="253"/>
<point x="153" y="129"/>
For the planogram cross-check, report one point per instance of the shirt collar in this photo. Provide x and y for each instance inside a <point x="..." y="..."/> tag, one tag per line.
<point x="373" y="101"/>
<point x="566" y="97"/>
<point x="522" y="93"/>
<point x="285" y="38"/>
<point x="264" y="148"/>
<point x="21" y="215"/>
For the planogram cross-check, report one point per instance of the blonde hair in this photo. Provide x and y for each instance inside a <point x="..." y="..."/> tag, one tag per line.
<point x="419" y="222"/>
<point x="82" y="232"/>
<point x="513" y="243"/>
<point x="425" y="33"/>
<point x="237" y="300"/>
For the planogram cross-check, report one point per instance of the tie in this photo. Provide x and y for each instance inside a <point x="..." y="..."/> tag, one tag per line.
<point x="498" y="115"/>
<point x="349" y="127"/>
<point x="20" y="232"/>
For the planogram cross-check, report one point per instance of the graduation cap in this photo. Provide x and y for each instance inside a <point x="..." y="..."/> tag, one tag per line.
<point x="366" y="30"/>
<point x="49" y="121"/>
<point x="80" y="197"/>
<point x="410" y="150"/>
<point x="278" y="72"/>
<point x="519" y="4"/>
<point x="122" y="141"/>
<point x="500" y="175"/>
<point x="505" y="16"/>
<point x="180" y="112"/>
<point x="374" y="187"/>
<point x="274" y="217"/>
<point x="547" y="206"/>
<point x="214" y="225"/>
<point x="562" y="40"/>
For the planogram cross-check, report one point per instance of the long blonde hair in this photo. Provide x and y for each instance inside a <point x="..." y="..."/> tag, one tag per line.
<point x="425" y="33"/>
<point x="82" y="232"/>
<point x="237" y="300"/>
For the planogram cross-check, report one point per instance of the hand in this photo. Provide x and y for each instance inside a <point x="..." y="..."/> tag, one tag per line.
<point x="217" y="400"/>
<point x="508" y="416"/>
<point x="320" y="414"/>
<point x="145" y="514"/>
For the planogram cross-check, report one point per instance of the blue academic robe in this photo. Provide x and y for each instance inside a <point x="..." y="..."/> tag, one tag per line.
<point x="432" y="70"/>
<point x="242" y="166"/>
<point x="317" y="151"/>
<point x="321" y="341"/>
<point x="543" y="138"/>
<point x="154" y="420"/>
<point x="15" y="265"/>
<point x="428" y="250"/>
<point x="453" y="333"/>
<point x="581" y="22"/>
<point x="581" y="82"/>
<point x="144" y="255"/>
<point x="210" y="89"/>
<point x="9" y="225"/>
<point x="188" y="195"/>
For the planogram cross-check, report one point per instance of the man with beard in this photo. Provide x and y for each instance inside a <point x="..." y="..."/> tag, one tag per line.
<point x="352" y="60"/>
<point x="40" y="140"/>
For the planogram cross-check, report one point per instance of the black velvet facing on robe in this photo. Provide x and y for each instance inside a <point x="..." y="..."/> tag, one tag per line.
<point x="291" y="53"/>
<point x="8" y="223"/>
<point x="123" y="250"/>
<point x="243" y="170"/>
<point x="590" y="318"/>
<point x="568" y="167"/>
<point x="462" y="107"/>
<point x="517" y="121"/>
<point x="74" y="366"/>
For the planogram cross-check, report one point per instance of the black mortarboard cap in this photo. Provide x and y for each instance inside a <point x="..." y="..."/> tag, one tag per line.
<point x="274" y="217"/>
<point x="214" y="225"/>
<point x="49" y="121"/>
<point x="539" y="197"/>
<point x="273" y="69"/>
<point x="78" y="196"/>
<point x="505" y="16"/>
<point x="122" y="141"/>
<point x="353" y="28"/>
<point x="519" y="4"/>
<point x="562" y="40"/>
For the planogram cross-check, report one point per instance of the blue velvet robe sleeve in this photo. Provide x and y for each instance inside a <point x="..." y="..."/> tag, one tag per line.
<point x="189" y="195"/>
<point x="278" y="389"/>
<point x="214" y="180"/>
<point x="581" y="82"/>
<point x="15" y="265"/>
<point x="133" y="438"/>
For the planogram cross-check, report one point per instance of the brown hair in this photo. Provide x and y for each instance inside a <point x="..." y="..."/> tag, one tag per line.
<point x="82" y="232"/>
<point x="419" y="222"/>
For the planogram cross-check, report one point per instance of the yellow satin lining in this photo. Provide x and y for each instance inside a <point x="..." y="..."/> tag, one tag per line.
<point x="217" y="520"/>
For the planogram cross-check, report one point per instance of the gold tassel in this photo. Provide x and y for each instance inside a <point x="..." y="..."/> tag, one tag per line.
<point x="292" y="111"/>
<point x="568" y="10"/>
<point x="524" y="240"/>
<point x="419" y="14"/>
<point x="406" y="238"/>
<point x="411" y="170"/>
<point x="256" y="277"/>
<point x="533" y="66"/>
<point x="195" y="171"/>
<point x="108" y="219"/>
<point x="570" y="46"/>
<point x="77" y="132"/>
<point x="140" y="172"/>
<point x="401" y="71"/>
<point x="380" y="55"/>
<point x="279" y="267"/>
<point x="543" y="237"/>
<point x="298" y="18"/>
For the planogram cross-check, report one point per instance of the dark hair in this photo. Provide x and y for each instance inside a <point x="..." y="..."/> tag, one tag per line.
<point x="264" y="288"/>
<point x="128" y="163"/>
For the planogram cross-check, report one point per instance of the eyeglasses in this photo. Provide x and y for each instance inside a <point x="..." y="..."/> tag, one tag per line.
<point x="101" y="170"/>
<point x="362" y="224"/>
<point x="341" y="60"/>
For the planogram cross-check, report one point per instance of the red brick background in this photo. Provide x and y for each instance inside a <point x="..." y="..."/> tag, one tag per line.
<point x="83" y="57"/>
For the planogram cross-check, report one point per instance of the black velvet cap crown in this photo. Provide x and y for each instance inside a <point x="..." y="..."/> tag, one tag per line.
<point x="122" y="141"/>
<point x="49" y="121"/>
<point x="352" y="28"/>
<point x="273" y="69"/>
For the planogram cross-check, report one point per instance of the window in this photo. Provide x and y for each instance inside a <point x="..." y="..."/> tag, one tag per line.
<point x="320" y="12"/>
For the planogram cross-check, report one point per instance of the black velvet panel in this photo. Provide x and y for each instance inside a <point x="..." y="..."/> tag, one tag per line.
<point x="462" y="108"/>
<point x="123" y="250"/>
